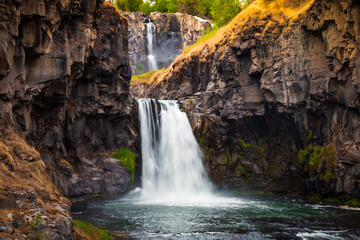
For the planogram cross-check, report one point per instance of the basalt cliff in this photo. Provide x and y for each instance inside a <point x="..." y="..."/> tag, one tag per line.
<point x="173" y="32"/>
<point x="64" y="88"/>
<point x="273" y="98"/>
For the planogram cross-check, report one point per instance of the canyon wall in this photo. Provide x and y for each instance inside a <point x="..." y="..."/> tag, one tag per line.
<point x="64" y="87"/>
<point x="174" y="33"/>
<point x="274" y="100"/>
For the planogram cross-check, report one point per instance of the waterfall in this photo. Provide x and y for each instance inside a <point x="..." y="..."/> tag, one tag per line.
<point x="171" y="157"/>
<point x="151" y="35"/>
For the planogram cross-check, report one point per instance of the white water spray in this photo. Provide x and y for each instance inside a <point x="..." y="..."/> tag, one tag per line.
<point x="151" y="34"/>
<point x="172" y="160"/>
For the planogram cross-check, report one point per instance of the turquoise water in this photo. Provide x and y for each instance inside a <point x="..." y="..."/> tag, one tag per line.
<point x="230" y="217"/>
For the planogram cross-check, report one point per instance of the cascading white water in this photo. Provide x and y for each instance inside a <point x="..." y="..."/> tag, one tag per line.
<point x="151" y="34"/>
<point x="172" y="160"/>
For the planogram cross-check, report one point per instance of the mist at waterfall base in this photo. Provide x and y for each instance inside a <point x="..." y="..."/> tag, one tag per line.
<point x="177" y="200"/>
<point x="172" y="168"/>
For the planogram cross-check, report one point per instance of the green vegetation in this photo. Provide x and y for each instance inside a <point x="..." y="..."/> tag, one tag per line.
<point x="220" y="11"/>
<point x="314" y="158"/>
<point x="93" y="233"/>
<point x="353" y="203"/>
<point x="209" y="33"/>
<point x="242" y="171"/>
<point x="42" y="236"/>
<point x="129" y="5"/>
<point x="262" y="63"/>
<point x="260" y="149"/>
<point x="127" y="158"/>
<point x="333" y="200"/>
<point x="201" y="140"/>
<point x="191" y="100"/>
<point x="139" y="68"/>
<point x="147" y="77"/>
<point x="35" y="222"/>
<point x="249" y="193"/>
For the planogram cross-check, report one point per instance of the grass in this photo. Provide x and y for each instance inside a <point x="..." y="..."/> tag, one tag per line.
<point x="280" y="11"/>
<point x="91" y="232"/>
<point x="275" y="12"/>
<point x="207" y="36"/>
<point x="353" y="203"/>
<point x="147" y="78"/>
<point x="333" y="200"/>
<point x="35" y="222"/>
<point x="127" y="158"/>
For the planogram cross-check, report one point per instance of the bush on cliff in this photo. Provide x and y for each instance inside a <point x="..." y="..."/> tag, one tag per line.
<point x="127" y="158"/>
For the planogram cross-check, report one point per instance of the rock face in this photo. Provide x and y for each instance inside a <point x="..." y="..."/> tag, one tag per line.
<point x="174" y="33"/>
<point x="64" y="86"/>
<point x="274" y="103"/>
<point x="31" y="207"/>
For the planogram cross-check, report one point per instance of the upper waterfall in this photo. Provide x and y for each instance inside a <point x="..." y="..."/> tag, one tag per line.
<point x="172" y="159"/>
<point x="151" y="36"/>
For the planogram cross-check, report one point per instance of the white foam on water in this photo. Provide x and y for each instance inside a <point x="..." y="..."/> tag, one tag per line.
<point x="173" y="173"/>
<point x="330" y="235"/>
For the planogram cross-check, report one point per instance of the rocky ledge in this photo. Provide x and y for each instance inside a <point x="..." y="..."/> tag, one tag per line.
<point x="274" y="99"/>
<point x="64" y="88"/>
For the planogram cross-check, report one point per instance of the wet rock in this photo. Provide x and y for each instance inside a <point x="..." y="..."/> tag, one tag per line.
<point x="174" y="33"/>
<point x="106" y="176"/>
<point x="272" y="91"/>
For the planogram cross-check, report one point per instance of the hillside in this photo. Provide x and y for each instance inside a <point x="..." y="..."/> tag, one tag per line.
<point x="272" y="92"/>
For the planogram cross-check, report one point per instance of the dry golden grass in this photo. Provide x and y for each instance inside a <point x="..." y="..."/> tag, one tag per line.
<point x="111" y="9"/>
<point x="268" y="13"/>
<point x="147" y="78"/>
<point x="21" y="170"/>
<point x="281" y="11"/>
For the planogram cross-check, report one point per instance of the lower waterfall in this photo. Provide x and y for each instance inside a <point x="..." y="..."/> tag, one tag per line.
<point x="177" y="200"/>
<point x="172" y="165"/>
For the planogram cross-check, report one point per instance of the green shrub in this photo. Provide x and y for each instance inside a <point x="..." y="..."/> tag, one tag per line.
<point x="139" y="68"/>
<point x="42" y="236"/>
<point x="35" y="222"/>
<point x="333" y="201"/>
<point x="314" y="158"/>
<point x="127" y="158"/>
<point x="353" y="203"/>
<point x="262" y="63"/>
<point x="93" y="233"/>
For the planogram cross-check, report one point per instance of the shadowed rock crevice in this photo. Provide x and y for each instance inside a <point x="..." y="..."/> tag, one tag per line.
<point x="294" y="75"/>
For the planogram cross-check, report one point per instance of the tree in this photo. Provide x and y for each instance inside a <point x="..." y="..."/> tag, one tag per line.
<point x="222" y="11"/>
<point x="147" y="7"/>
<point x="129" y="5"/>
